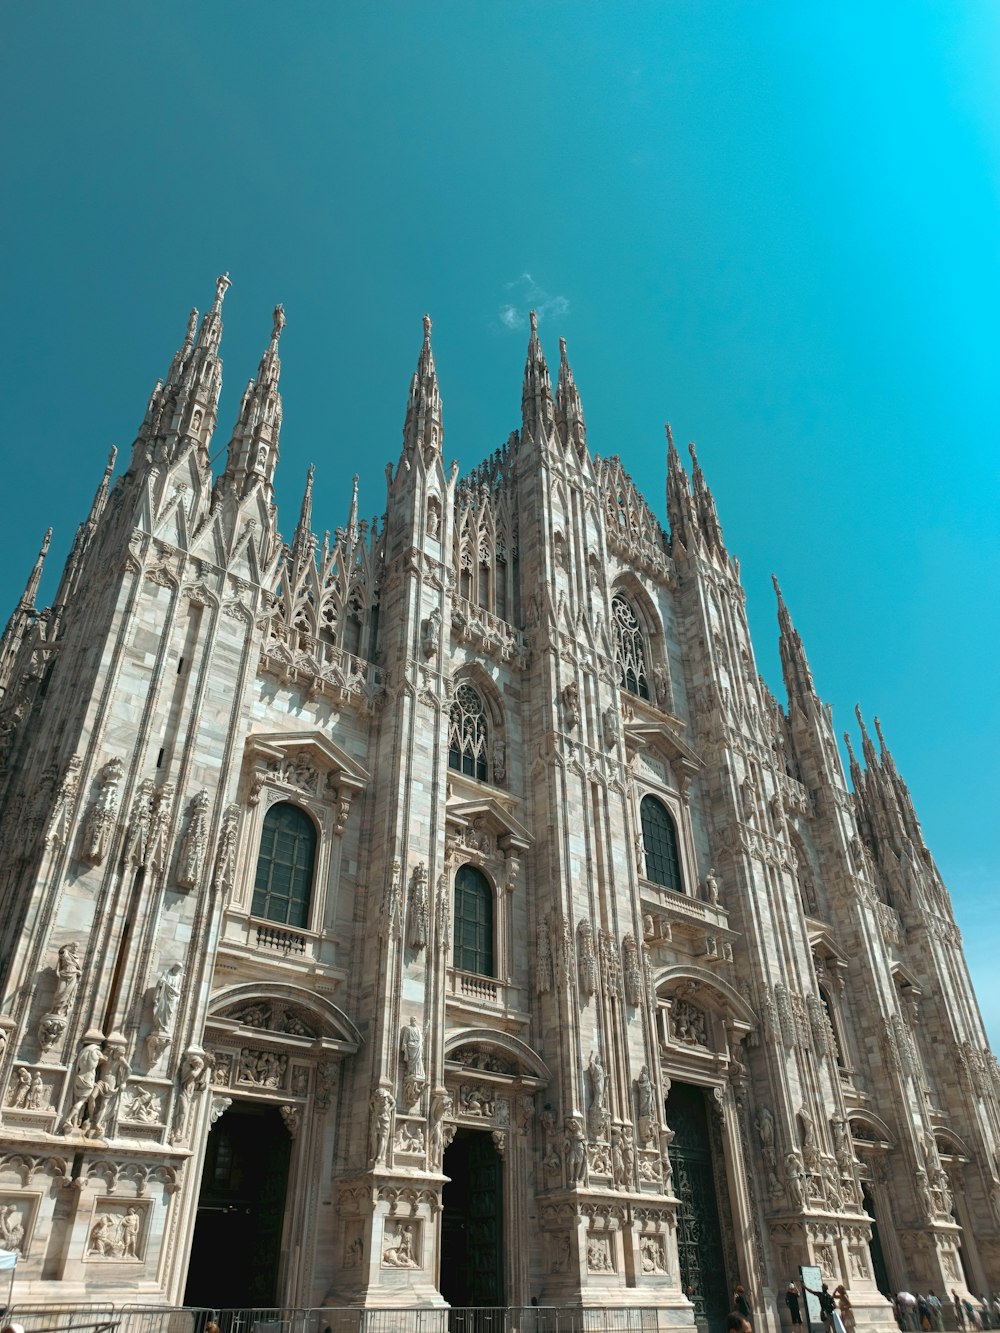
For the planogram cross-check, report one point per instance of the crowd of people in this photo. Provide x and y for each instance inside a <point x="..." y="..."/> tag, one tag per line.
<point x="914" y="1314"/>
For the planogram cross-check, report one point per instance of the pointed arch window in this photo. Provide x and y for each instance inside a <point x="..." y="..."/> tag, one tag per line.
<point x="630" y="649"/>
<point x="282" y="889"/>
<point x="468" y="734"/>
<point x="659" y="841"/>
<point x="473" y="946"/>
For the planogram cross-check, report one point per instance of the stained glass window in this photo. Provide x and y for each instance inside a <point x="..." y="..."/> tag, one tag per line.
<point x="630" y="649"/>
<point x="468" y="734"/>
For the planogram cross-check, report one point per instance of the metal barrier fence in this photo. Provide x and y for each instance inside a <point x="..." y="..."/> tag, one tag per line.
<point x="108" y="1318"/>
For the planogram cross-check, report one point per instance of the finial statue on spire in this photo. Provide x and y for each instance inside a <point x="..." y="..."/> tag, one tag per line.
<point x="533" y="320"/>
<point x="427" y="328"/>
<point x="562" y="351"/>
<point x="222" y="285"/>
<point x="279" y="322"/>
<point x="192" y="327"/>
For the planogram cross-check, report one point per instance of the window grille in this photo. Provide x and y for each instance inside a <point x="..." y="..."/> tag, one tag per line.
<point x="630" y="649"/>
<point x="659" y="839"/>
<point x="283" y="887"/>
<point x="468" y="734"/>
<point x="473" y="937"/>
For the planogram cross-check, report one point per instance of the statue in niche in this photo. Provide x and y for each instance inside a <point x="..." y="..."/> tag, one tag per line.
<point x="646" y="1095"/>
<point x="382" y="1106"/>
<point x="651" y="1251"/>
<point x="11" y="1229"/>
<point x="20" y="1086"/>
<point x="165" y="1000"/>
<point x="609" y="727"/>
<point x="570" y="705"/>
<point x="130" y="1233"/>
<point x="88" y="1061"/>
<point x="430" y="633"/>
<point x="598" y="1081"/>
<point x="68" y="971"/>
<point x="102" y="1107"/>
<point x="441" y="1133"/>
<point x="411" y="1041"/>
<point x="576" y="1152"/>
<point x="617" y="1160"/>
<point x="193" y="1077"/>
<point x="795" y="1185"/>
<point x="689" y="1024"/>
<point x="400" y="1254"/>
<point x="36" y="1093"/>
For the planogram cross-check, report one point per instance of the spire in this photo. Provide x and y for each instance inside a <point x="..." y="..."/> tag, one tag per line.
<point x="867" y="748"/>
<point x="423" y="425"/>
<point x="304" y="543"/>
<point x="569" y="409"/>
<point x="903" y="797"/>
<point x="704" y="503"/>
<point x="103" y="489"/>
<point x="182" y="410"/>
<point x="27" y="602"/>
<point x="253" y="448"/>
<point x="857" y="777"/>
<point x="537" y="410"/>
<point x="352" y="517"/>
<point x="794" y="665"/>
<point x="680" y="506"/>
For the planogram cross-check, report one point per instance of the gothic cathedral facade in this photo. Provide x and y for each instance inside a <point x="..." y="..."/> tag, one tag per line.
<point x="444" y="912"/>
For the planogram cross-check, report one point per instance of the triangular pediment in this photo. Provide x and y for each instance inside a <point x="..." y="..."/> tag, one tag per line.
<point x="313" y="747"/>
<point x="489" y="815"/>
<point x="646" y="734"/>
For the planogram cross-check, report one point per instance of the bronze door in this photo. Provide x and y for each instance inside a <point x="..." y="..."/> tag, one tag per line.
<point x="700" y="1246"/>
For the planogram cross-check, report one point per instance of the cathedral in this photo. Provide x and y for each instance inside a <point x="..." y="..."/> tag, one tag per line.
<point x="442" y="912"/>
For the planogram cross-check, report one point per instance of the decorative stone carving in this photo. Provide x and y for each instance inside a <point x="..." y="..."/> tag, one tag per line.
<point x="689" y="1024"/>
<point x="165" y="1000"/>
<point x="292" y="1116"/>
<point x="88" y="1061"/>
<point x="115" y="1233"/>
<point x="61" y="817"/>
<point x="143" y="1107"/>
<point x="411" y="1043"/>
<point x="576" y="1151"/>
<point x="597" y="1079"/>
<point x="570" y="706"/>
<point x="140" y="818"/>
<point x="417" y="913"/>
<point x="611" y="968"/>
<point x="646" y="1102"/>
<point x="400" y="1246"/>
<point x="382" y="1105"/>
<point x="262" y="1068"/>
<point x="712" y="887"/>
<point x="586" y="962"/>
<point x="599" y="1258"/>
<point x="100" y="823"/>
<point x="193" y="1078"/>
<point x="543" y="958"/>
<point x="795" y="1181"/>
<point x="476" y="1100"/>
<point x="68" y="971"/>
<point x="409" y="1139"/>
<point x="13" y="1229"/>
<point x="441" y="1134"/>
<point x="194" y="848"/>
<point x="158" y="848"/>
<point x="632" y="973"/>
<point x="430" y="633"/>
<point x="652" y="1255"/>
<point x="224" y="872"/>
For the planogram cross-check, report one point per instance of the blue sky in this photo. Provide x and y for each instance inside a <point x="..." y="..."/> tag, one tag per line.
<point x="775" y="225"/>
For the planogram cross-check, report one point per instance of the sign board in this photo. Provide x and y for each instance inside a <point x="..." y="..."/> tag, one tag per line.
<point x="812" y="1280"/>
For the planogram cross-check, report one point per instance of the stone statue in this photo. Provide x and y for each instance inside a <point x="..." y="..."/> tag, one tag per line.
<point x="193" y="1078"/>
<point x="430" y="633"/>
<point x="645" y="1094"/>
<point x="412" y="1044"/>
<point x="104" y="1101"/>
<point x="570" y="705"/>
<point x="712" y="887"/>
<point x="598" y="1081"/>
<point x="795" y="1180"/>
<point x="400" y="1254"/>
<point x="165" y="999"/>
<point x="441" y="1134"/>
<point x="68" y="972"/>
<point x="89" y="1060"/>
<point x="382" y="1105"/>
<point x="20" y="1086"/>
<point x="576" y="1152"/>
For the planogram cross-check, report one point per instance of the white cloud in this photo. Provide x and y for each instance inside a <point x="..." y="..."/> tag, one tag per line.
<point x="524" y="294"/>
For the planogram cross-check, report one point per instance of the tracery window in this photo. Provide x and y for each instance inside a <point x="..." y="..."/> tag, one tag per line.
<point x="630" y="649"/>
<point x="659" y="839"/>
<point x="473" y="947"/>
<point x="468" y="734"/>
<point x="283" y="886"/>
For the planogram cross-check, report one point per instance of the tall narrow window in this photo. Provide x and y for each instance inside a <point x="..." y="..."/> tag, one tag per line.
<point x="659" y="840"/>
<point x="630" y="650"/>
<point x="283" y="887"/>
<point x="468" y="734"/>
<point x="473" y="922"/>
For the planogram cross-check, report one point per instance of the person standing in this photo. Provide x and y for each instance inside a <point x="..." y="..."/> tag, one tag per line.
<point x="741" y="1303"/>
<point x="792" y="1301"/>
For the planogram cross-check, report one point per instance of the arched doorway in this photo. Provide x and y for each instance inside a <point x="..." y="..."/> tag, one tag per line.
<point x="472" y="1269"/>
<point x="237" y="1236"/>
<point x="699" y="1181"/>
